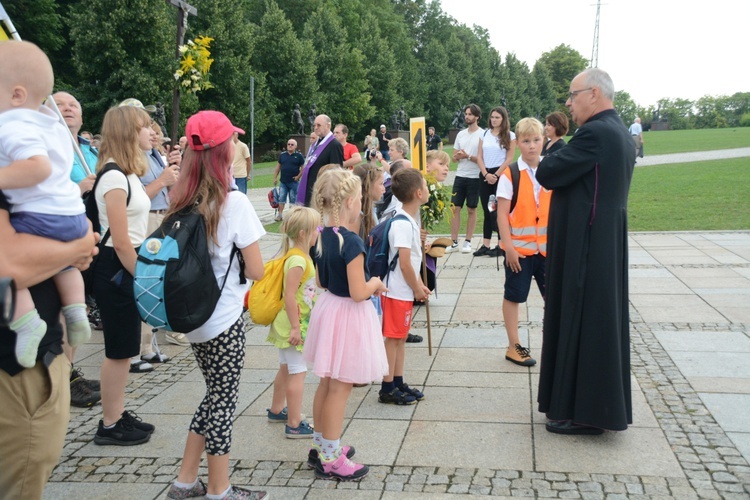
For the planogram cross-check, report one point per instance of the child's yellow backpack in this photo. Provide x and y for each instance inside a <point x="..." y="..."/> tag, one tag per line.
<point x="265" y="298"/>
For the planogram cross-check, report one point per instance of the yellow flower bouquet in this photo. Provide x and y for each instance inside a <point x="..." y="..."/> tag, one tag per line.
<point x="438" y="206"/>
<point x="195" y="64"/>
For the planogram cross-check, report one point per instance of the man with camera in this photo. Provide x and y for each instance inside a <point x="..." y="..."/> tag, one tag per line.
<point x="36" y="401"/>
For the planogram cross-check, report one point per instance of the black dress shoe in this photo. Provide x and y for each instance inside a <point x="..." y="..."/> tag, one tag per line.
<point x="569" y="427"/>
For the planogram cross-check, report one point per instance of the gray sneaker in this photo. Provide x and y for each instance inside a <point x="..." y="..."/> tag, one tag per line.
<point x="237" y="493"/>
<point x="197" y="491"/>
<point x="81" y="395"/>
<point x="77" y="374"/>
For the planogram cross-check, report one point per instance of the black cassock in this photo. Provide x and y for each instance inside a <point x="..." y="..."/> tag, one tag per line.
<point x="585" y="363"/>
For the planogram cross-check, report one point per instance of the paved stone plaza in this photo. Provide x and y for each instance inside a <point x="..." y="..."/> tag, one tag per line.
<point x="478" y="431"/>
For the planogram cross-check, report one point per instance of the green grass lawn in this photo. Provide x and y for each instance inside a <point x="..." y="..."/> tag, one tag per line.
<point x="691" y="196"/>
<point x="686" y="141"/>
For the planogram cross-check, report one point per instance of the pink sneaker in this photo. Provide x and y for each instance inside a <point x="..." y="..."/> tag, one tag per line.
<point x="341" y="468"/>
<point x="313" y="456"/>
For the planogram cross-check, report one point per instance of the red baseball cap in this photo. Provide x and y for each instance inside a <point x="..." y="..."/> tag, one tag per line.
<point x="208" y="129"/>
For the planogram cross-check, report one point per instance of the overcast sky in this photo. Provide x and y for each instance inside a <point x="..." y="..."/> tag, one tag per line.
<point x="652" y="48"/>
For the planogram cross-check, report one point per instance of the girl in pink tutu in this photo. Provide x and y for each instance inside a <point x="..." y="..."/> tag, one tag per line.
<point x="344" y="344"/>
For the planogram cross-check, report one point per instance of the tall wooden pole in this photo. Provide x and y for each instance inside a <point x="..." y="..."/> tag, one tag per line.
<point x="183" y="10"/>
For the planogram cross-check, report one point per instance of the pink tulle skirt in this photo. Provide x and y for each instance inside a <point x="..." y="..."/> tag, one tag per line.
<point x="344" y="340"/>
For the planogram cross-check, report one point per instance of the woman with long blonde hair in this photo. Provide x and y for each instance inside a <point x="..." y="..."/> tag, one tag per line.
<point x="123" y="215"/>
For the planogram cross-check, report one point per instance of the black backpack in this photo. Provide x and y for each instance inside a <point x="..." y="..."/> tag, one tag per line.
<point x="92" y="213"/>
<point x="89" y="201"/>
<point x="174" y="284"/>
<point x="377" y="249"/>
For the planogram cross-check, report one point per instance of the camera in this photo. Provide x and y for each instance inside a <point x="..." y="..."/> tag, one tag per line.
<point x="7" y="300"/>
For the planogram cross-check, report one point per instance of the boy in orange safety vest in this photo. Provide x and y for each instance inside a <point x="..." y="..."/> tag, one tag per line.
<point x="523" y="233"/>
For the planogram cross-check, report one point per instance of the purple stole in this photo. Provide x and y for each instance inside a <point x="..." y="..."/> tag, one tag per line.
<point x="312" y="157"/>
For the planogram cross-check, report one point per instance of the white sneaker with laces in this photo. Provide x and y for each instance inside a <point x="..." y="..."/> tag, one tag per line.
<point x="452" y="248"/>
<point x="466" y="247"/>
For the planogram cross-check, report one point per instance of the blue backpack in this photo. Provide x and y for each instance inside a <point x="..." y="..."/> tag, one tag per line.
<point x="174" y="282"/>
<point x="377" y="249"/>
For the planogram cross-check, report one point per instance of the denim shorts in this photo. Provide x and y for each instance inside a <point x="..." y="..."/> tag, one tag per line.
<point x="288" y="190"/>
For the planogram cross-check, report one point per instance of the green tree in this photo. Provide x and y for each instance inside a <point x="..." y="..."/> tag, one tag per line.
<point x="441" y="91"/>
<point x="626" y="107"/>
<point x="383" y="76"/>
<point x="345" y="95"/>
<point x="485" y="64"/>
<point x="232" y="51"/>
<point x="290" y="73"/>
<point x="546" y="99"/>
<point x="710" y="112"/>
<point x="41" y="22"/>
<point x="518" y="92"/>
<point x="563" y="64"/>
<point x="121" y="50"/>
<point x="678" y="112"/>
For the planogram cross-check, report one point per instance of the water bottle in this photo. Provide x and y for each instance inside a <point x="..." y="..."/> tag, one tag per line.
<point x="492" y="203"/>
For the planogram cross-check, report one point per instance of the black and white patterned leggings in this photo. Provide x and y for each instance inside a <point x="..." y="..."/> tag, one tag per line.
<point x="220" y="360"/>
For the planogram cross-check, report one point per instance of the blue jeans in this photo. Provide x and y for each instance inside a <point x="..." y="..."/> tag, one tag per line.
<point x="241" y="184"/>
<point x="288" y="190"/>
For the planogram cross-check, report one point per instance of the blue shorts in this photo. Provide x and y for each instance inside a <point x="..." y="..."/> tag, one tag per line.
<point x="517" y="285"/>
<point x="55" y="227"/>
<point x="288" y="190"/>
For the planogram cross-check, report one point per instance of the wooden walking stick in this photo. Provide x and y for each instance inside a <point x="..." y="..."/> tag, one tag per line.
<point x="427" y="304"/>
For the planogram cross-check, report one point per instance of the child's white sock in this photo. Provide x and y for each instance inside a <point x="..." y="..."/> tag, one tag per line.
<point x="220" y="495"/>
<point x="317" y="439"/>
<point x="186" y="486"/>
<point x="76" y="324"/>
<point x="30" y="330"/>
<point x="329" y="448"/>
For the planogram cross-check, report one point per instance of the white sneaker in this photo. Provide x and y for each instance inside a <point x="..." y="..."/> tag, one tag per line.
<point x="452" y="248"/>
<point x="466" y="247"/>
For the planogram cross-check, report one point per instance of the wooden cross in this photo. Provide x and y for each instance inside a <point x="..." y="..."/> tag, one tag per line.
<point x="183" y="11"/>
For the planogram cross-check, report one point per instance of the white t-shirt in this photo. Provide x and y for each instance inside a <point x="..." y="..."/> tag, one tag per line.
<point x="505" y="186"/>
<point x="403" y="234"/>
<point x="636" y="129"/>
<point x="493" y="153"/>
<point x="469" y="142"/>
<point x="239" y="225"/>
<point x="25" y="133"/>
<point x="137" y="210"/>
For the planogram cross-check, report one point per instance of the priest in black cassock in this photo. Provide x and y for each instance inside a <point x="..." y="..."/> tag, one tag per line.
<point x="324" y="151"/>
<point x="584" y="385"/>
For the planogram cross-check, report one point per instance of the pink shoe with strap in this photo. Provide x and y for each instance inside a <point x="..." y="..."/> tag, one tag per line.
<point x="313" y="457"/>
<point x="341" y="469"/>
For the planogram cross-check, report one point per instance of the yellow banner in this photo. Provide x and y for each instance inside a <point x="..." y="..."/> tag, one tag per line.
<point x="418" y="138"/>
<point x="3" y="34"/>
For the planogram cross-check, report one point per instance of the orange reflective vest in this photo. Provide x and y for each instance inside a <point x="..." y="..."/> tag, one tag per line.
<point x="528" y="221"/>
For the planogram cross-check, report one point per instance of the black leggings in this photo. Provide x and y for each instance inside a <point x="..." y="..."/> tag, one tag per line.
<point x="490" y="218"/>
